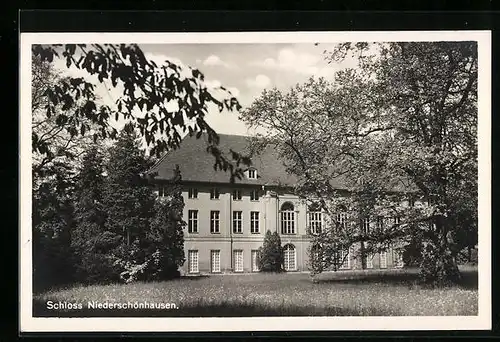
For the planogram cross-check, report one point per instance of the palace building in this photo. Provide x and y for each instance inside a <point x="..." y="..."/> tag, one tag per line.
<point x="226" y="222"/>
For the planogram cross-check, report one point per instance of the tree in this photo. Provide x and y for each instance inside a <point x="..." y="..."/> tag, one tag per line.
<point x="91" y="242"/>
<point x="271" y="253"/>
<point x="401" y="127"/>
<point x="128" y="197"/>
<point x="165" y="236"/>
<point x="52" y="222"/>
<point x="148" y="88"/>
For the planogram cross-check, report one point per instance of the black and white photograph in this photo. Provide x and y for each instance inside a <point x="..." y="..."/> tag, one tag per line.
<point x="255" y="181"/>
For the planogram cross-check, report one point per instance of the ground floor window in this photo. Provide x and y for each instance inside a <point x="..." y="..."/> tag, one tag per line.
<point x="369" y="260"/>
<point x="193" y="261"/>
<point x="398" y="258"/>
<point x="289" y="258"/>
<point x="215" y="261"/>
<point x="383" y="259"/>
<point x="255" y="264"/>
<point x="238" y="261"/>
<point x="344" y="258"/>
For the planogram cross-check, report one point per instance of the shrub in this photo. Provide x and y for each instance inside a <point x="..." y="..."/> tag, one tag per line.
<point x="271" y="253"/>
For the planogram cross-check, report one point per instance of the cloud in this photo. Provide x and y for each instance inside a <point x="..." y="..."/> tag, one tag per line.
<point x="214" y="60"/>
<point x="212" y="84"/>
<point x="260" y="81"/>
<point x="299" y="62"/>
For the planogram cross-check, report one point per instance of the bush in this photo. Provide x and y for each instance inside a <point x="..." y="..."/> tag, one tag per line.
<point x="271" y="253"/>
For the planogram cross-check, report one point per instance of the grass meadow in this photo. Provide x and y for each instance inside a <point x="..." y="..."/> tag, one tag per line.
<point x="344" y="293"/>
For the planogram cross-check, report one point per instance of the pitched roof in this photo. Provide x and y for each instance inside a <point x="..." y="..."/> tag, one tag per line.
<point x="197" y="165"/>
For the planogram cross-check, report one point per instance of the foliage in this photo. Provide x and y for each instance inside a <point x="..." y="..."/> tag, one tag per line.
<point x="146" y="88"/>
<point x="400" y="127"/>
<point x="127" y="196"/>
<point x="270" y="255"/>
<point x="165" y="236"/>
<point x="51" y="224"/>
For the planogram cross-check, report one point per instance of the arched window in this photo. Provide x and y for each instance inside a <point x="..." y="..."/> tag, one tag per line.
<point x="287" y="218"/>
<point x="289" y="258"/>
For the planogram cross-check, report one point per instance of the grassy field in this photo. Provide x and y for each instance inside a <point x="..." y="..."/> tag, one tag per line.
<point x="346" y="293"/>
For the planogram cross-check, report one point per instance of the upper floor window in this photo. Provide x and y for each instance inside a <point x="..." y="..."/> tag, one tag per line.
<point x="237" y="226"/>
<point x="214" y="193"/>
<point x="161" y="191"/>
<point x="193" y="221"/>
<point x="287" y="218"/>
<point x="236" y="194"/>
<point x="193" y="193"/>
<point x="254" y="222"/>
<point x="396" y="220"/>
<point x="254" y="195"/>
<point x="342" y="220"/>
<point x="315" y="222"/>
<point x="380" y="223"/>
<point x="252" y="174"/>
<point x="215" y="221"/>
<point x="365" y="224"/>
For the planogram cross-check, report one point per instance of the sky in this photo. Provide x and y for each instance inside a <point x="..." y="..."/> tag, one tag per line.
<point x="245" y="69"/>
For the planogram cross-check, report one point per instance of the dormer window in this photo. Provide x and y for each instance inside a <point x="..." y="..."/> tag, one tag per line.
<point x="252" y="174"/>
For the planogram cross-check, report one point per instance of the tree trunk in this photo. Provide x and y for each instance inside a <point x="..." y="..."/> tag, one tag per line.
<point x="439" y="267"/>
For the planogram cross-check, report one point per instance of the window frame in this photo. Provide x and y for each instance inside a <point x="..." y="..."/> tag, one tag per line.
<point x="315" y="220"/>
<point x="192" y="193"/>
<point x="254" y="195"/>
<point x="212" y="253"/>
<point x="193" y="221"/>
<point x="287" y="220"/>
<point x="238" y="193"/>
<point x="254" y="222"/>
<point x="250" y="171"/>
<point x="254" y="252"/>
<point x="214" y="221"/>
<point x="237" y="221"/>
<point x="286" y="258"/>
<point x="238" y="252"/>
<point x="214" y="193"/>
<point x="192" y="252"/>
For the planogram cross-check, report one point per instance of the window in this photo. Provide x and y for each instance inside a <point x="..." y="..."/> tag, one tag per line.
<point x="411" y="201"/>
<point x="315" y="220"/>
<point x="287" y="218"/>
<point x="366" y="225"/>
<point x="396" y="220"/>
<point x="238" y="261"/>
<point x="236" y="195"/>
<point x="289" y="258"/>
<point x="254" y="222"/>
<point x="342" y="220"/>
<point x="255" y="258"/>
<point x="161" y="191"/>
<point x="214" y="221"/>
<point x="192" y="193"/>
<point x="252" y="174"/>
<point x="345" y="258"/>
<point x="193" y="261"/>
<point x="214" y="193"/>
<point x="383" y="259"/>
<point x="237" y="222"/>
<point x="380" y="223"/>
<point x="398" y="259"/>
<point x="193" y="221"/>
<point x="215" y="261"/>
<point x="254" y="195"/>
<point x="369" y="261"/>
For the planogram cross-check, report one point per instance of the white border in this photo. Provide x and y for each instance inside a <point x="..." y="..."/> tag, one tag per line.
<point x="480" y="322"/>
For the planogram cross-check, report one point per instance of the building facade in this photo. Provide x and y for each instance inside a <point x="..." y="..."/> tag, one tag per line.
<point x="227" y="222"/>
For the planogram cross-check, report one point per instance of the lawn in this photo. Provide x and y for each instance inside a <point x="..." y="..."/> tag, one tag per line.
<point x="346" y="293"/>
